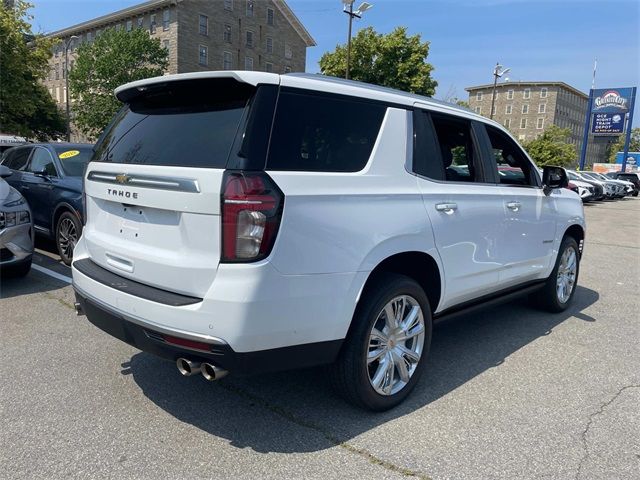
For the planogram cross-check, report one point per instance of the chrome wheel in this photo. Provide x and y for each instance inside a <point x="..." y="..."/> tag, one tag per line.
<point x="566" y="279"/>
<point x="396" y="342"/>
<point x="67" y="237"/>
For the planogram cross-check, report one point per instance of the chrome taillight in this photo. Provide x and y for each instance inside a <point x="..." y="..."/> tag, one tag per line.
<point x="251" y="213"/>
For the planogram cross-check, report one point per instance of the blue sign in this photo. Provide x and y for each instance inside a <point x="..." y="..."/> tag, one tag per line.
<point x="607" y="123"/>
<point x="612" y="100"/>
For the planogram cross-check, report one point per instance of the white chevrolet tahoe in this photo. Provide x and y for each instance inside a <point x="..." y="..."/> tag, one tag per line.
<point x="247" y="222"/>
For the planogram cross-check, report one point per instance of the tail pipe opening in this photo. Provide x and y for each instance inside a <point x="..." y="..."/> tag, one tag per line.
<point x="211" y="372"/>
<point x="187" y="367"/>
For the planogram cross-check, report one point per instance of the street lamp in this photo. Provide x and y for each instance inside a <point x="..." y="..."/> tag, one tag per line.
<point x="348" y="9"/>
<point x="67" y="44"/>
<point x="498" y="72"/>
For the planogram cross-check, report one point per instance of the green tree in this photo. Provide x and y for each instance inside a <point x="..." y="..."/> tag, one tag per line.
<point x="116" y="57"/>
<point x="618" y="145"/>
<point x="26" y="108"/>
<point x="394" y="60"/>
<point x="552" y="148"/>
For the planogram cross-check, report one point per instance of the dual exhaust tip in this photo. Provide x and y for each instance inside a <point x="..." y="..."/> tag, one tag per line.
<point x="209" y="372"/>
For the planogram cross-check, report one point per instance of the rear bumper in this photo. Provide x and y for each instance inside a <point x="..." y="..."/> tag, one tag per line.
<point x="158" y="341"/>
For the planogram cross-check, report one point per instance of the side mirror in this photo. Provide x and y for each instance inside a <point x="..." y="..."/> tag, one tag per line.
<point x="5" y="171"/>
<point x="41" y="173"/>
<point x="554" y="177"/>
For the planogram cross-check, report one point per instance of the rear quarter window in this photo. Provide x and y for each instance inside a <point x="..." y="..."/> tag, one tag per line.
<point x="323" y="133"/>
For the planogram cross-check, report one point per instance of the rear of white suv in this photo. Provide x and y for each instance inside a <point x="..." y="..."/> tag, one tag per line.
<point x="246" y="222"/>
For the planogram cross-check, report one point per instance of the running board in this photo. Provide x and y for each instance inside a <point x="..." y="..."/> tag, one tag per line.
<point x="488" y="301"/>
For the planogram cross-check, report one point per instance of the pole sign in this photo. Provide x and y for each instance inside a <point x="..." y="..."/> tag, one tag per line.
<point x="607" y="124"/>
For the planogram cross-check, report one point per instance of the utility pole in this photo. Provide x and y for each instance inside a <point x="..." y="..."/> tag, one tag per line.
<point x="348" y="9"/>
<point x="498" y="72"/>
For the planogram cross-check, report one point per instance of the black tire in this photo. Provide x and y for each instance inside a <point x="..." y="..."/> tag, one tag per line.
<point x="350" y="374"/>
<point x="548" y="298"/>
<point x="68" y="231"/>
<point x="17" y="271"/>
<point x="635" y="194"/>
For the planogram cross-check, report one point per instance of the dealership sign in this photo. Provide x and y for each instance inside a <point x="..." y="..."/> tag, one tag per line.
<point x="607" y="124"/>
<point x="611" y="100"/>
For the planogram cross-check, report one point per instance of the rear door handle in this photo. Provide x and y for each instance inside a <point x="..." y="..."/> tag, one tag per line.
<point x="446" y="207"/>
<point x="515" y="206"/>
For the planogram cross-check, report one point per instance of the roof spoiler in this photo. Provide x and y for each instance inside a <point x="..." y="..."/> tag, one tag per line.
<point x="129" y="91"/>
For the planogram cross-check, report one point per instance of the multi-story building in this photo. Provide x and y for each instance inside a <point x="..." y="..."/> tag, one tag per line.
<point x="528" y="108"/>
<point x="199" y="35"/>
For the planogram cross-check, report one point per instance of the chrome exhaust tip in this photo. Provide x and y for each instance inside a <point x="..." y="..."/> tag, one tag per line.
<point x="187" y="367"/>
<point x="211" y="372"/>
<point x="78" y="308"/>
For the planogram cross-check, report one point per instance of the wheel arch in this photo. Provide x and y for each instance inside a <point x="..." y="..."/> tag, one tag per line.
<point x="58" y="211"/>
<point x="577" y="232"/>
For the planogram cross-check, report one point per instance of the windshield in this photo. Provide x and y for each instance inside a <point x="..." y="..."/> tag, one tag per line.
<point x="73" y="158"/>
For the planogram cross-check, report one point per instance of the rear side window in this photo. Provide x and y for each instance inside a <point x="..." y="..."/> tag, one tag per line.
<point x="323" y="133"/>
<point x="186" y="124"/>
<point x="16" y="159"/>
<point x="74" y="159"/>
<point x="457" y="148"/>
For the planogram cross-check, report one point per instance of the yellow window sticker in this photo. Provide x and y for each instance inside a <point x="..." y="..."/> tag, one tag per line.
<point x="69" y="154"/>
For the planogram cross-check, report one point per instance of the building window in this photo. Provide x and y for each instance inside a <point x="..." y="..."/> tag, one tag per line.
<point x="64" y="94"/>
<point x="166" y="18"/>
<point x="523" y="123"/>
<point x="203" y="55"/>
<point x="165" y="44"/>
<point x="525" y="108"/>
<point x="270" y="16"/>
<point x="269" y="45"/>
<point x="479" y="96"/>
<point x="152" y="25"/>
<point x="479" y="110"/>
<point x="507" y="123"/>
<point x="226" y="33"/>
<point x="203" y="25"/>
<point x="287" y="69"/>
<point x="118" y="26"/>
<point x="89" y="37"/>
<point x="249" y="42"/>
<point x="140" y="22"/>
<point x="509" y="94"/>
<point x="540" y="124"/>
<point x="508" y="109"/>
<point x="543" y="92"/>
<point x="542" y="108"/>
<point x="57" y="71"/>
<point x="248" y="63"/>
<point x="288" y="54"/>
<point x="526" y="94"/>
<point x="129" y="26"/>
<point x="249" y="8"/>
<point x="228" y="4"/>
<point x="268" y="67"/>
<point x="227" y="61"/>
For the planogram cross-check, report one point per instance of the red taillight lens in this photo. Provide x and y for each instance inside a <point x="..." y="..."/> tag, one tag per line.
<point x="251" y="212"/>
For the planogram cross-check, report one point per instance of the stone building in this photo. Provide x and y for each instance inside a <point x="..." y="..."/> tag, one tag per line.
<point x="528" y="108"/>
<point x="199" y="35"/>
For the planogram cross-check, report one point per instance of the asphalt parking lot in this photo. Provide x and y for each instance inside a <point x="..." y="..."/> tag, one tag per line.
<point x="509" y="393"/>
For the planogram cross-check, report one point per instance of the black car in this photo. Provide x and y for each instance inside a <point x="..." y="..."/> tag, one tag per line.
<point x="49" y="176"/>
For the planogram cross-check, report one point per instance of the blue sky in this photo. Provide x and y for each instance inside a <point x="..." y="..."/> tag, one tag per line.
<point x="539" y="39"/>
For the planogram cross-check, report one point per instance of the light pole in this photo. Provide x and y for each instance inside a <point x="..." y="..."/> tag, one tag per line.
<point x="67" y="44"/>
<point x="498" y="72"/>
<point x="348" y="9"/>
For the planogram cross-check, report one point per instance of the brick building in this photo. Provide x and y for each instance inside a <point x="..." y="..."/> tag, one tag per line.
<point x="199" y="35"/>
<point x="528" y="108"/>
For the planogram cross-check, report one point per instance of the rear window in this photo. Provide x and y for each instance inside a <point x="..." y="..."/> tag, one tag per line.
<point x="74" y="158"/>
<point x="187" y="124"/>
<point x="323" y="133"/>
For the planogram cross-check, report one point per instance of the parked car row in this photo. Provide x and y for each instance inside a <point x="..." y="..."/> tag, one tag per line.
<point x="593" y="186"/>
<point x="49" y="177"/>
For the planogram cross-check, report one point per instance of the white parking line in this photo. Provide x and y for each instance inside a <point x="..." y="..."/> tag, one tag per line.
<point x="51" y="273"/>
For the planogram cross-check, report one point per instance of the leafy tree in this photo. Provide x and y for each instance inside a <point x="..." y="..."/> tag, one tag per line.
<point x="552" y="148"/>
<point x="26" y="108"/>
<point x="114" y="58"/>
<point x="394" y="60"/>
<point x="618" y="145"/>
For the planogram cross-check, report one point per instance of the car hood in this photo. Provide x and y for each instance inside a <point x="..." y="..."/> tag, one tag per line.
<point x="4" y="190"/>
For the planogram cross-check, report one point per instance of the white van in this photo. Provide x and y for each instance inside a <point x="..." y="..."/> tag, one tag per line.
<point x="247" y="222"/>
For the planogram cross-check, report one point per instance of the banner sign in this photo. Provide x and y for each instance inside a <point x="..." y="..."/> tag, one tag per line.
<point x="607" y="124"/>
<point x="612" y="100"/>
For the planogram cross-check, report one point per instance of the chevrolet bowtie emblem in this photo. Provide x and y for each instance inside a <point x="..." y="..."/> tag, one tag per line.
<point x="122" y="178"/>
